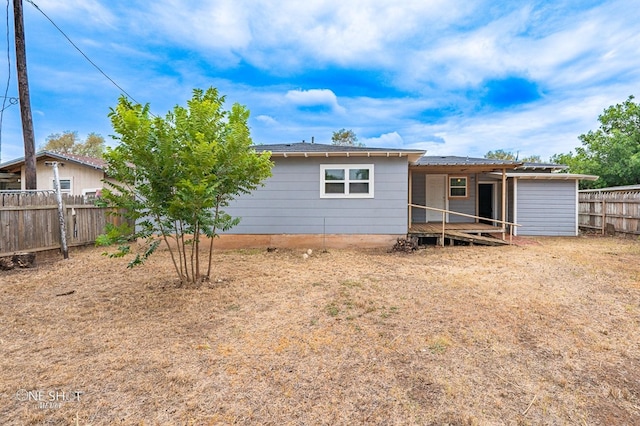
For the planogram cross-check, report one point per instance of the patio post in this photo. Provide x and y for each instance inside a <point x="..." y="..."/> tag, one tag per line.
<point x="504" y="198"/>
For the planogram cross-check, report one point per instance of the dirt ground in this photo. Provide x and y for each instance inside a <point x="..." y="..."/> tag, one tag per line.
<point x="541" y="333"/>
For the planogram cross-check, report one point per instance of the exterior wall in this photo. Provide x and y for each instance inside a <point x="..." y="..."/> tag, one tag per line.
<point x="464" y="205"/>
<point x="290" y="202"/>
<point x="546" y="207"/>
<point x="418" y="197"/>
<point x="82" y="177"/>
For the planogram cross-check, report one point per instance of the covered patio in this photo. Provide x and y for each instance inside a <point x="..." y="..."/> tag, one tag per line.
<point x="460" y="198"/>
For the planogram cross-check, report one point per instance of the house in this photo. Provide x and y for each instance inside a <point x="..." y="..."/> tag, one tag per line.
<point x="341" y="196"/>
<point x="326" y="195"/>
<point x="79" y="174"/>
<point x="337" y="196"/>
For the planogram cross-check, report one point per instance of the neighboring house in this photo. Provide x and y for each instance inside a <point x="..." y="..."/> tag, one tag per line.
<point x="79" y="174"/>
<point x="336" y="196"/>
<point x="9" y="181"/>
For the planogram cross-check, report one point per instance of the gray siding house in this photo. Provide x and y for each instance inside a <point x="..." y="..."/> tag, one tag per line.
<point x="336" y="196"/>
<point x="326" y="195"/>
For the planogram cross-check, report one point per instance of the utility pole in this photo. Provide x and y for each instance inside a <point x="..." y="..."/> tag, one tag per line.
<point x="25" y="103"/>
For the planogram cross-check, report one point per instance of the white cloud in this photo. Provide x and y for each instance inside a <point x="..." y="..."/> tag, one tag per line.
<point x="362" y="30"/>
<point x="267" y="120"/>
<point x="580" y="48"/>
<point x="79" y="11"/>
<point x="314" y="98"/>
<point x="544" y="129"/>
<point x="387" y="140"/>
<point x="291" y="33"/>
<point x="423" y="62"/>
<point x="212" y="27"/>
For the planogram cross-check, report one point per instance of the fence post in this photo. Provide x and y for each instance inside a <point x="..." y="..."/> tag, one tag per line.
<point x="604" y="216"/>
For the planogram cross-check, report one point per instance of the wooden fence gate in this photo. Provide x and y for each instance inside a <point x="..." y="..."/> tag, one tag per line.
<point x="29" y="221"/>
<point x="614" y="209"/>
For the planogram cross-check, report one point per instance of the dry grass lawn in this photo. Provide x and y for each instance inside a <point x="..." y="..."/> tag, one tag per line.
<point x="545" y="333"/>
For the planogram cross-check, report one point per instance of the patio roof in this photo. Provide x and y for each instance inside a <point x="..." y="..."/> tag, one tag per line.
<point x="542" y="166"/>
<point x="450" y="160"/>
<point x="457" y="164"/>
<point x="551" y="176"/>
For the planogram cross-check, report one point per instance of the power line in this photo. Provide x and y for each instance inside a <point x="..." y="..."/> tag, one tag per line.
<point x="12" y="101"/>
<point x="82" y="53"/>
<point x="6" y="88"/>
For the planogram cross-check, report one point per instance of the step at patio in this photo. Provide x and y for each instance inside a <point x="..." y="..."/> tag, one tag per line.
<point x="474" y="239"/>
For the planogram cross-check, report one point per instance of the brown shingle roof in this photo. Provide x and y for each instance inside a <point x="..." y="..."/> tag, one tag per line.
<point x="96" y="163"/>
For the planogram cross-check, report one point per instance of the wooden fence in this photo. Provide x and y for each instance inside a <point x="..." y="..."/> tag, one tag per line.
<point x="29" y="221"/>
<point x="610" y="210"/>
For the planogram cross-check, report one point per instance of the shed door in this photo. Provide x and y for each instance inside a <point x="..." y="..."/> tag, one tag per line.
<point x="436" y="187"/>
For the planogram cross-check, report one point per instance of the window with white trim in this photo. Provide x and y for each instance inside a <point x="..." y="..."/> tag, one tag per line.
<point x="346" y="181"/>
<point x="458" y="186"/>
<point x="65" y="185"/>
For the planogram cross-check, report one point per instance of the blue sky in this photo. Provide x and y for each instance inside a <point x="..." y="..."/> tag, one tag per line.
<point x="452" y="77"/>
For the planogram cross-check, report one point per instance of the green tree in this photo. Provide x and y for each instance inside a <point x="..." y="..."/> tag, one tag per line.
<point x="501" y="154"/>
<point x="177" y="174"/>
<point x="345" y="137"/>
<point x="612" y="151"/>
<point x="69" y="143"/>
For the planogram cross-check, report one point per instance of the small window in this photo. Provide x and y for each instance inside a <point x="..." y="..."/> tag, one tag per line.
<point x="91" y="193"/>
<point x="346" y="181"/>
<point x="457" y="187"/>
<point x="65" y="185"/>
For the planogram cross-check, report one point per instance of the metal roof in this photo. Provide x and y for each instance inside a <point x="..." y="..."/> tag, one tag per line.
<point x="545" y="166"/>
<point x="450" y="160"/>
<point x="549" y="176"/>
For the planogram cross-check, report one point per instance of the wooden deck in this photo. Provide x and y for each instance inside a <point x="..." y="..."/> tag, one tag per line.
<point x="468" y="232"/>
<point x="435" y="228"/>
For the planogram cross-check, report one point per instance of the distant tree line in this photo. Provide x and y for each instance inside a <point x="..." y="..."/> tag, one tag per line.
<point x="501" y="154"/>
<point x="344" y="137"/>
<point x="612" y="151"/>
<point x="68" y="142"/>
